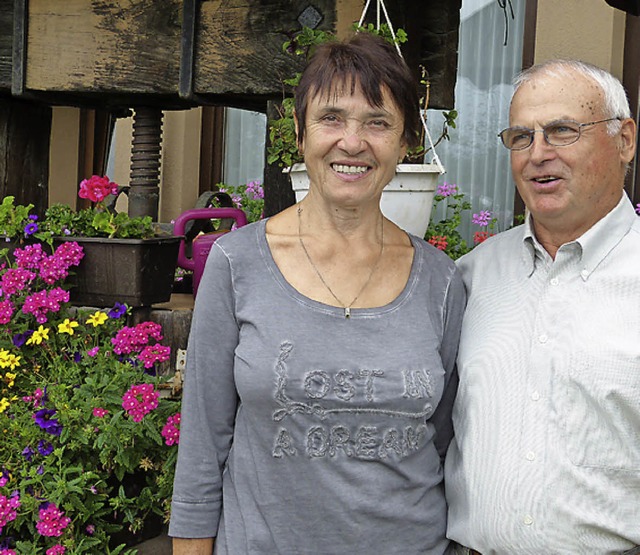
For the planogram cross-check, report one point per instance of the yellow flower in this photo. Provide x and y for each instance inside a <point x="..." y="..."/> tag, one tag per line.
<point x="11" y="361"/>
<point x="4" y="404"/>
<point x="4" y="357"/>
<point x="97" y="319"/>
<point x="38" y="335"/>
<point x="10" y="378"/>
<point x="67" y="326"/>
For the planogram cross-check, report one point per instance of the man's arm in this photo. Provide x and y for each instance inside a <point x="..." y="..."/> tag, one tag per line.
<point x="183" y="546"/>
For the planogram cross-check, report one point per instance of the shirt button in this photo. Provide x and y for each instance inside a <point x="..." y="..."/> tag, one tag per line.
<point x="535" y="396"/>
<point x="531" y="456"/>
<point x="543" y="338"/>
<point x="528" y="520"/>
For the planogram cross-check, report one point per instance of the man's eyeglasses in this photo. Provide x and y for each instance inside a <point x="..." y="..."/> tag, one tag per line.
<point x="558" y="133"/>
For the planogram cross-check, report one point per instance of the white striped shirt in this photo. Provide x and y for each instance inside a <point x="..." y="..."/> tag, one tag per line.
<point x="546" y="457"/>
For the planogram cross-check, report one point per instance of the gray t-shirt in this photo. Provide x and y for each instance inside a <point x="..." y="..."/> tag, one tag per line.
<point x="304" y="432"/>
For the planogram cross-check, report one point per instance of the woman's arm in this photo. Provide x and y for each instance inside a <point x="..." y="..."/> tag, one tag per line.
<point x="183" y="546"/>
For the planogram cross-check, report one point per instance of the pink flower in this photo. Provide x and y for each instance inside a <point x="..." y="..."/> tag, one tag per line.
<point x="446" y="189"/>
<point x="8" y="506"/>
<point x="6" y="311"/>
<point x="129" y="340"/>
<point x="7" y="551"/>
<point x="100" y="412"/>
<point x="56" y="550"/>
<point x="52" y="521"/>
<point x="482" y="218"/>
<point x="171" y="430"/>
<point x="42" y="302"/>
<point x="93" y="351"/>
<point x="97" y="188"/>
<point x="30" y="256"/>
<point x="154" y="353"/>
<point x="139" y="401"/>
<point x="15" y="280"/>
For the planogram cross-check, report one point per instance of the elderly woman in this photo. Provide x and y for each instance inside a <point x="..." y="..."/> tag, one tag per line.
<point x="320" y="368"/>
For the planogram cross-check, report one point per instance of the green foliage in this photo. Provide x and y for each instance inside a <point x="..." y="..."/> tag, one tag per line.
<point x="61" y="220"/>
<point x="249" y="197"/>
<point x="445" y="234"/>
<point x="13" y="218"/>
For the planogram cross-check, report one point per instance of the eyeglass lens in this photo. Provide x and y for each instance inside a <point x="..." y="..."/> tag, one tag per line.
<point x="560" y="133"/>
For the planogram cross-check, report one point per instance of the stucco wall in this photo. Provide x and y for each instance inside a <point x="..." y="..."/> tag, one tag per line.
<point x="589" y="30"/>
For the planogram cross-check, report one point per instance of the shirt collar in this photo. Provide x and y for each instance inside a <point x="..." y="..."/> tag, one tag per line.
<point x="595" y="244"/>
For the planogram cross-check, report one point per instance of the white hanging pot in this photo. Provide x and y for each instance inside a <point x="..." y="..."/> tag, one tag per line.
<point x="406" y="200"/>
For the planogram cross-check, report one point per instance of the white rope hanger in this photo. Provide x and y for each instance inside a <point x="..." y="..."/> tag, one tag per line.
<point x="423" y="117"/>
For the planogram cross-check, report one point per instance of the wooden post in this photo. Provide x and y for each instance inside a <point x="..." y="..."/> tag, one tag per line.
<point x="25" y="128"/>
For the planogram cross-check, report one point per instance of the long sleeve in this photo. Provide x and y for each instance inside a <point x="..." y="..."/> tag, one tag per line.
<point x="208" y="407"/>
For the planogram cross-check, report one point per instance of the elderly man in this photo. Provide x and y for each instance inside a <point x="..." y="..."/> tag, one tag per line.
<point x="546" y="458"/>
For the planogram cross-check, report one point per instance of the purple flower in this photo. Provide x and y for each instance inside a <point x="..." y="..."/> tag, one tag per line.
<point x="90" y="529"/>
<point x="446" y="189"/>
<point x="44" y="419"/>
<point x="638" y="209"/>
<point x="44" y="448"/>
<point x="117" y="310"/>
<point x="30" y="229"/>
<point x="28" y="453"/>
<point x="483" y="218"/>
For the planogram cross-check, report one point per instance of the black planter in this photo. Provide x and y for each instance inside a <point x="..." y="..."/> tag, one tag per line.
<point x="138" y="272"/>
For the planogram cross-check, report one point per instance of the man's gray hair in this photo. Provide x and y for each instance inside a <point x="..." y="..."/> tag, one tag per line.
<point x="615" y="104"/>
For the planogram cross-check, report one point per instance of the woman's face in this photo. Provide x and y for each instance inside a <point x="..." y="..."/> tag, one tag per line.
<point x="351" y="148"/>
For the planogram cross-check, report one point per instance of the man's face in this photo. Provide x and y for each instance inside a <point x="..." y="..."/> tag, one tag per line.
<point x="351" y="148"/>
<point x="568" y="188"/>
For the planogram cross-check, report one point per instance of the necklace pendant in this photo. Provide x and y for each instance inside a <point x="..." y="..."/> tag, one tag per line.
<point x="347" y="312"/>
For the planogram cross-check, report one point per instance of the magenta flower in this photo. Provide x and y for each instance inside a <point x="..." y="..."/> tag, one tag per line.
<point x="154" y="353"/>
<point x="93" y="351"/>
<point x="100" y="412"/>
<point x="638" y="209"/>
<point x="52" y="521"/>
<point x="4" y="478"/>
<point x="483" y="218"/>
<point x="42" y="302"/>
<point x="139" y="401"/>
<point x="129" y="340"/>
<point x="7" y="309"/>
<point x="97" y="188"/>
<point x="56" y="550"/>
<point x="8" y="506"/>
<point x="15" y="280"/>
<point x="171" y="430"/>
<point x="30" y="256"/>
<point x="7" y="551"/>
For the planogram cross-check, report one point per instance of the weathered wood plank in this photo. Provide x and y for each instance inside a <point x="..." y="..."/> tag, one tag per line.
<point x="6" y="43"/>
<point x="104" y="46"/>
<point x="239" y="46"/>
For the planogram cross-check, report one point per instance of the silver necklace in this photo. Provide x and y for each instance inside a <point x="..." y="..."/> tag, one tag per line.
<point x="347" y="307"/>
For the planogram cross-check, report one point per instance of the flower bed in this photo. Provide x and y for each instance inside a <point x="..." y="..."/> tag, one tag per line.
<point x="81" y="409"/>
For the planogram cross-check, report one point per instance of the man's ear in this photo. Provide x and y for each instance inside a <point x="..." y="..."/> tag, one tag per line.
<point x="628" y="140"/>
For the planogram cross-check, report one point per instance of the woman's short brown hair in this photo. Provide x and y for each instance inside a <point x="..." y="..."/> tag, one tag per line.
<point x="367" y="61"/>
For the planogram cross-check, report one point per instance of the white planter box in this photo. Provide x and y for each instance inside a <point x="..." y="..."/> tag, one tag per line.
<point x="406" y="200"/>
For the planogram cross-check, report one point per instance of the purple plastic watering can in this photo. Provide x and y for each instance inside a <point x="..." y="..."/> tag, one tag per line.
<point x="201" y="244"/>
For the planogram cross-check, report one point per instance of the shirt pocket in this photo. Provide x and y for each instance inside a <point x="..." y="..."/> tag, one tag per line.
<point x="603" y="411"/>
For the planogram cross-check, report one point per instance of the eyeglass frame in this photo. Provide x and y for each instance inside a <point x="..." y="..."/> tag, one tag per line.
<point x="532" y="132"/>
